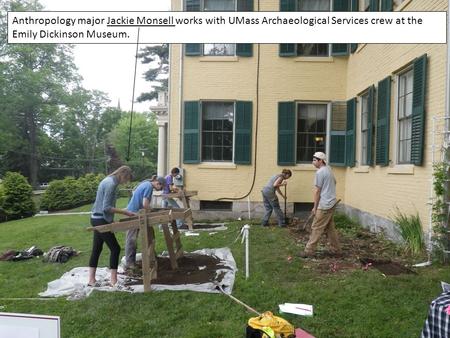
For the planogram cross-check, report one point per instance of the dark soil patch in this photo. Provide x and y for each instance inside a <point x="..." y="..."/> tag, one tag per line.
<point x="202" y="226"/>
<point x="357" y="244"/>
<point x="192" y="269"/>
<point x="387" y="266"/>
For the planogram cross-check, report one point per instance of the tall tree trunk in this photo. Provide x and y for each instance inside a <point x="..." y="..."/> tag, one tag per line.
<point x="33" y="163"/>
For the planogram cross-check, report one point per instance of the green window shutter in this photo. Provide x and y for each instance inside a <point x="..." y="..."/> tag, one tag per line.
<point x="243" y="133"/>
<point x="341" y="5"/>
<point x="383" y="121"/>
<point x="192" y="5"/>
<point x="244" y="49"/>
<point x="373" y="5"/>
<point x="355" y="5"/>
<point x="350" y="136"/>
<point x="287" y="6"/>
<point x="418" y="113"/>
<point x="353" y="47"/>
<point x="387" y="6"/>
<point x="193" y="49"/>
<point x="337" y="133"/>
<point x="339" y="49"/>
<point x="287" y="49"/>
<point x="370" y="125"/>
<point x="286" y="133"/>
<point x="191" y="132"/>
<point x="245" y="6"/>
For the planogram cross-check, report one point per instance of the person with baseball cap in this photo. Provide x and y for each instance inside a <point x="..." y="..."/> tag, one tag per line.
<point x="324" y="205"/>
<point x="140" y="199"/>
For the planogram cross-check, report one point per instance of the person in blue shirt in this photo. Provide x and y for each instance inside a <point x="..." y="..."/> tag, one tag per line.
<point x="140" y="199"/>
<point x="103" y="212"/>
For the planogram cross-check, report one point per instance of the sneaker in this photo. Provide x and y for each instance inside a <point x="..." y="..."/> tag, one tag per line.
<point x="305" y="254"/>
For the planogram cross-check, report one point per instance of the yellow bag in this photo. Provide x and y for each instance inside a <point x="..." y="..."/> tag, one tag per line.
<point x="280" y="326"/>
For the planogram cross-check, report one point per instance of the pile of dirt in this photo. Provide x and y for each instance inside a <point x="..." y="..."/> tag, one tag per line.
<point x="192" y="269"/>
<point x="361" y="250"/>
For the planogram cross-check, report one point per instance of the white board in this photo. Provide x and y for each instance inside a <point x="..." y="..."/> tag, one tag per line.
<point x="22" y="325"/>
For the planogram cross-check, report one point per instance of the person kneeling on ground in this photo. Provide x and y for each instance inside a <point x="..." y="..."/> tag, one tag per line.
<point x="270" y="198"/>
<point x="140" y="199"/>
<point x="324" y="205"/>
<point x="103" y="212"/>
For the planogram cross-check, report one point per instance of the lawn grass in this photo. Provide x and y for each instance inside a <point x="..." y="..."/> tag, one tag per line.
<point x="346" y="304"/>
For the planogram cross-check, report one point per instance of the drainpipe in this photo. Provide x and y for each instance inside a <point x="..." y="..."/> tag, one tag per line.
<point x="180" y="100"/>
<point x="446" y="157"/>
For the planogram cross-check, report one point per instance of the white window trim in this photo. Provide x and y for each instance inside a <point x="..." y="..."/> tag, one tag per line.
<point x="359" y="124"/>
<point x="396" y="80"/>
<point x="309" y="166"/>
<point x="216" y="164"/>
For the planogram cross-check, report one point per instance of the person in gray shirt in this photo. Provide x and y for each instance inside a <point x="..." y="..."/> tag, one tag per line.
<point x="270" y="198"/>
<point x="103" y="212"/>
<point x="324" y="206"/>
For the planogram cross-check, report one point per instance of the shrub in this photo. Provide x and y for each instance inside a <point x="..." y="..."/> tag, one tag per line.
<point x="70" y="193"/>
<point x="410" y="229"/>
<point x="16" y="201"/>
<point x="2" y="198"/>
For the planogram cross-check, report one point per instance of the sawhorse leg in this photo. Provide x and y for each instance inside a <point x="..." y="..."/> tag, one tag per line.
<point x="173" y="243"/>
<point x="149" y="262"/>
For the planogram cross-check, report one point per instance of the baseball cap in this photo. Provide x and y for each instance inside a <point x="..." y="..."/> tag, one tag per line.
<point x="320" y="156"/>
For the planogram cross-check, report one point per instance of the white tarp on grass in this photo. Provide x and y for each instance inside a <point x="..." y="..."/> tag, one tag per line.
<point x="73" y="284"/>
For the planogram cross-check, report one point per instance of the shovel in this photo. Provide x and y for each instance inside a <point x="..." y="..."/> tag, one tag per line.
<point x="306" y="225"/>
<point x="286" y="220"/>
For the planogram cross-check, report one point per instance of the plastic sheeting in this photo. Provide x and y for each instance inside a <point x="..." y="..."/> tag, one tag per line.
<point x="73" y="284"/>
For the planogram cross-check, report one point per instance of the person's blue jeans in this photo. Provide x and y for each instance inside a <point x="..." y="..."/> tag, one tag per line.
<point x="271" y="203"/>
<point x="170" y="201"/>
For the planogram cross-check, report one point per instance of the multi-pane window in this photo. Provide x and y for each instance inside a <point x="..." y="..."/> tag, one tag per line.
<point x="313" y="5"/>
<point x="219" y="5"/>
<point x="313" y="49"/>
<point x="366" y="5"/>
<point x="311" y="130"/>
<point x="217" y="131"/>
<point x="364" y="128"/>
<point x="405" y="97"/>
<point x="214" y="49"/>
<point x="219" y="49"/>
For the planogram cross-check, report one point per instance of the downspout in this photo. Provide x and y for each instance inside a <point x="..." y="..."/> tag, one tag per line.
<point x="446" y="157"/>
<point x="180" y="101"/>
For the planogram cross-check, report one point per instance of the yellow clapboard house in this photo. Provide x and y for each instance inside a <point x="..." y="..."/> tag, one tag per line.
<point x="240" y="113"/>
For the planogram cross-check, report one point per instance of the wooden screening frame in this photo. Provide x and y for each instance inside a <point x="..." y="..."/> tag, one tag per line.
<point x="145" y="222"/>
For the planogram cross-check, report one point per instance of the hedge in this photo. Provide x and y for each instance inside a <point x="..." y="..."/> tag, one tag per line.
<point x="16" y="197"/>
<point x="70" y="192"/>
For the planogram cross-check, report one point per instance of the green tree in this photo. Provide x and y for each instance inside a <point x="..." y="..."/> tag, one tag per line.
<point x="36" y="81"/>
<point x="157" y="58"/>
<point x="81" y="129"/>
<point x="143" y="145"/>
<point x="17" y="201"/>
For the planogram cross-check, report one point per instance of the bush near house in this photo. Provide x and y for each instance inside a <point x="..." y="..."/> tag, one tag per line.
<point x="15" y="197"/>
<point x="70" y="192"/>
